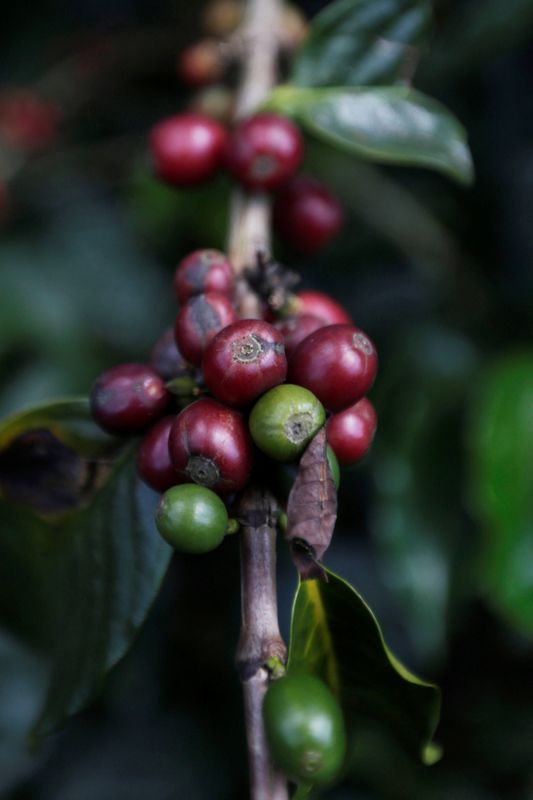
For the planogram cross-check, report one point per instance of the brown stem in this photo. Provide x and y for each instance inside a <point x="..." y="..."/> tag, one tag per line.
<point x="261" y="648"/>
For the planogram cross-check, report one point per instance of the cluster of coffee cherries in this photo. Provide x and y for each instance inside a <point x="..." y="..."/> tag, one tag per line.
<point x="253" y="390"/>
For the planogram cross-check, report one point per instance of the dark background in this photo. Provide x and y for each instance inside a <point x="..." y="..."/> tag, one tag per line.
<point x="439" y="276"/>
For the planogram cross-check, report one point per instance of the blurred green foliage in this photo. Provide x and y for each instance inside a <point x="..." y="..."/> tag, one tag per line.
<point x="435" y="527"/>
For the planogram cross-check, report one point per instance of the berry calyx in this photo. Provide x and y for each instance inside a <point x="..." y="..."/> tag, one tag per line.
<point x="350" y="432"/>
<point x="284" y="421"/>
<point x="191" y="518"/>
<point x="209" y="444"/>
<point x="307" y="215"/>
<point x="321" y="305"/>
<point x="244" y="360"/>
<point x="200" y="64"/>
<point x="203" y="271"/>
<point x="128" y="398"/>
<point x="187" y="148"/>
<point x="166" y="359"/>
<point x="304" y="728"/>
<point x="264" y="151"/>
<point x="200" y="319"/>
<point x="296" y="329"/>
<point x="153" y="459"/>
<point x="337" y="363"/>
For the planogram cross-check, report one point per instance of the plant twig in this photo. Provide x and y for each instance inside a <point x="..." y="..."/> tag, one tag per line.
<point x="261" y="648"/>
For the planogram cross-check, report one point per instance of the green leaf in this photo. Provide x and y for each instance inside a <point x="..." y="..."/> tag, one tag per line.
<point x="355" y="42"/>
<point x="501" y="466"/>
<point x="393" y="125"/>
<point x="78" y="585"/>
<point x="335" y="636"/>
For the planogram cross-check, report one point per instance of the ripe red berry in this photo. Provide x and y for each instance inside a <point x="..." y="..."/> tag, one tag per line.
<point x="128" y="398"/>
<point x="200" y="319"/>
<point x="203" y="271"/>
<point x="264" y="151"/>
<point x="244" y="360"/>
<point x="209" y="444"/>
<point x="165" y="357"/>
<point x="337" y="363"/>
<point x="296" y="329"/>
<point x="200" y="64"/>
<point x="27" y="121"/>
<point x="350" y="432"/>
<point x="307" y="215"/>
<point x="187" y="148"/>
<point x="321" y="305"/>
<point x="153" y="459"/>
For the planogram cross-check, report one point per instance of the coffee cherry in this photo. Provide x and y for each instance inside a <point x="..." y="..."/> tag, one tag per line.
<point x="307" y="215"/>
<point x="27" y="121"/>
<point x="209" y="444"/>
<point x="200" y="319"/>
<point x="153" y="459"/>
<point x="337" y="363"/>
<point x="128" y="398"/>
<point x="165" y="357"/>
<point x="350" y="432"/>
<point x="296" y="329"/>
<point x="264" y="151"/>
<point x="304" y="728"/>
<point x="322" y="306"/>
<point x="284" y="421"/>
<point x="243" y="361"/>
<point x="187" y="148"/>
<point x="200" y="64"/>
<point x="221" y="17"/>
<point x="191" y="519"/>
<point x="217" y="101"/>
<point x="203" y="271"/>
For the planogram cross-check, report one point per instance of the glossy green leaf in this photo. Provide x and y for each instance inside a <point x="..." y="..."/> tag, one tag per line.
<point x="79" y="584"/>
<point x="356" y="42"/>
<point x="501" y="469"/>
<point x="335" y="636"/>
<point x="393" y="125"/>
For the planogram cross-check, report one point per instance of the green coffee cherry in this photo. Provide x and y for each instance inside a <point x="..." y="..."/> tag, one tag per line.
<point x="191" y="518"/>
<point x="285" y="420"/>
<point x="333" y="466"/>
<point x="304" y="728"/>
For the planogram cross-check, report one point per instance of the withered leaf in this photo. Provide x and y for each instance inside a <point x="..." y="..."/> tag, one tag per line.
<point x="312" y="510"/>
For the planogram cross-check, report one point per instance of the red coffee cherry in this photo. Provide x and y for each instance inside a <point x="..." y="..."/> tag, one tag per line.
<point x="296" y="329"/>
<point x="209" y="444"/>
<point x="153" y="459"/>
<point x="166" y="359"/>
<point x="200" y="64"/>
<point x="200" y="319"/>
<point x="264" y="151"/>
<point x="323" y="306"/>
<point x="337" y="363"/>
<point x="27" y="121"/>
<point x="203" y="271"/>
<point x="128" y="398"/>
<point x="307" y="215"/>
<point x="187" y="148"/>
<point x="350" y="432"/>
<point x="244" y="360"/>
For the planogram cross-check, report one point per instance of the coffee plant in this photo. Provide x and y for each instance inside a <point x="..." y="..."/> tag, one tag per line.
<point x="238" y="426"/>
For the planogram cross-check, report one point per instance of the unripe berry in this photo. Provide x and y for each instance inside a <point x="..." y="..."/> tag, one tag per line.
<point x="153" y="459"/>
<point x="350" y="432"/>
<point x="187" y="148"/>
<point x="128" y="398"/>
<point x="165" y="357"/>
<point x="203" y="271"/>
<point x="200" y="64"/>
<point x="307" y="215"/>
<point x="264" y="151"/>
<point x="200" y="319"/>
<point x="322" y="306"/>
<point x="192" y="519"/>
<point x="221" y="17"/>
<point x="244" y="360"/>
<point x="209" y="444"/>
<point x="296" y="329"/>
<point x="337" y="363"/>
<point x="284" y="420"/>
